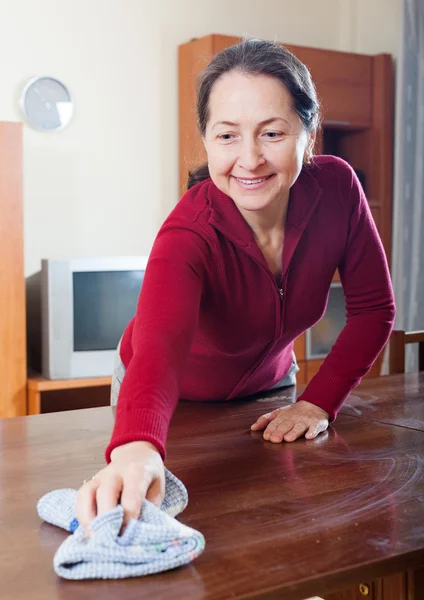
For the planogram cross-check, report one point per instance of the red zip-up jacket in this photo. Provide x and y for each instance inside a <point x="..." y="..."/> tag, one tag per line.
<point x="211" y="323"/>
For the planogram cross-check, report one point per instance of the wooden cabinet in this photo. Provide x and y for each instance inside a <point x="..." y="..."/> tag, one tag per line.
<point x="12" y="282"/>
<point x="91" y="392"/>
<point x="341" y="78"/>
<point x="356" y="92"/>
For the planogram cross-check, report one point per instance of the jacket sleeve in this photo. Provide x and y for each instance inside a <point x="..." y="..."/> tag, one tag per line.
<point x="370" y="307"/>
<point x="163" y="331"/>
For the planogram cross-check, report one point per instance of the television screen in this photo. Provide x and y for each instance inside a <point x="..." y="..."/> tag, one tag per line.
<point x="324" y="333"/>
<point x="104" y="303"/>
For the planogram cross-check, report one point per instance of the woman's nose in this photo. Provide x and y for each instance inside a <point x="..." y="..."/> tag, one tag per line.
<point x="250" y="156"/>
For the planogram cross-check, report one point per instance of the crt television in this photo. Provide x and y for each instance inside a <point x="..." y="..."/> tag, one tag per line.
<point x="77" y="310"/>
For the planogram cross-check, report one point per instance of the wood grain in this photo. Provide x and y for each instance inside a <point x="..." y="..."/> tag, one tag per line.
<point x="281" y="521"/>
<point x="383" y="399"/>
<point x="12" y="286"/>
<point x="341" y="78"/>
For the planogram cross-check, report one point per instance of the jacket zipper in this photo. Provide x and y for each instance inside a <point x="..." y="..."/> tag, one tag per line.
<point x="280" y="287"/>
<point x="260" y="362"/>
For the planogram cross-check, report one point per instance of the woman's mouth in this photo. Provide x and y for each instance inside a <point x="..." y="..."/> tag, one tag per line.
<point x="252" y="184"/>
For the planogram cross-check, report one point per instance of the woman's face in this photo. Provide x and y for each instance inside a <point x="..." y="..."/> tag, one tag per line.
<point x="254" y="139"/>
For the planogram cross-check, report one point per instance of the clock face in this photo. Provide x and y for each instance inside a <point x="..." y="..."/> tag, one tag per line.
<point x="46" y="104"/>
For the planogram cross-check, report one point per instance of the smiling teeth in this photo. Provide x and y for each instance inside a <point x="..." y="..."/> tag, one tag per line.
<point x="251" y="182"/>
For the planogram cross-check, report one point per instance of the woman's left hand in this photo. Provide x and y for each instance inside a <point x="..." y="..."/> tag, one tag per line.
<point x="293" y="421"/>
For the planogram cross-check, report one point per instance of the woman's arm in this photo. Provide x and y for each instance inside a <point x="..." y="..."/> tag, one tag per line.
<point x="164" y="328"/>
<point x="370" y="307"/>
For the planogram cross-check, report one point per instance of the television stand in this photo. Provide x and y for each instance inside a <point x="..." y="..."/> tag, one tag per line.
<point x="36" y="384"/>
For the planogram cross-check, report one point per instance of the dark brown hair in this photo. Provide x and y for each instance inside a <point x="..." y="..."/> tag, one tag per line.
<point x="257" y="57"/>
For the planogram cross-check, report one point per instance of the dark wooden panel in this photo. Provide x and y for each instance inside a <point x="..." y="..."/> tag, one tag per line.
<point x="393" y="587"/>
<point x="364" y="590"/>
<point x="74" y="399"/>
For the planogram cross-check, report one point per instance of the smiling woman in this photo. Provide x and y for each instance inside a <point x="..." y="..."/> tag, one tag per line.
<point x="269" y="61"/>
<point x="255" y="159"/>
<point x="240" y="268"/>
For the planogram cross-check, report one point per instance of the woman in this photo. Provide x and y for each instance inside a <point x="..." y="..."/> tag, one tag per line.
<point x="240" y="268"/>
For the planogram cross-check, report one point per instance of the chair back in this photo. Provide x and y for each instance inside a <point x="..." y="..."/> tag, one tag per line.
<point x="397" y="343"/>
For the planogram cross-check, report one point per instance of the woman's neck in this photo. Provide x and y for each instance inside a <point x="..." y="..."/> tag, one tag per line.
<point x="267" y="224"/>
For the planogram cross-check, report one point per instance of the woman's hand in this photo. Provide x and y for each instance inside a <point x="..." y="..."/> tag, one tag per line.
<point x="293" y="421"/>
<point x="135" y="472"/>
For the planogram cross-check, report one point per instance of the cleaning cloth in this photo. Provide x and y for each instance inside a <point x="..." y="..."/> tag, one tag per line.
<point x="154" y="542"/>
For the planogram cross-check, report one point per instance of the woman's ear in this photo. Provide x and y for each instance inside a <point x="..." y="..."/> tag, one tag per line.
<point x="312" y="140"/>
<point x="309" y="152"/>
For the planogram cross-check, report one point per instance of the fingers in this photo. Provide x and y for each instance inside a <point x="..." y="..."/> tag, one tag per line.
<point x="107" y="494"/>
<point x="315" y="429"/>
<point x="277" y="429"/>
<point x="291" y="423"/>
<point x="86" y="504"/>
<point x="96" y="497"/>
<point x="99" y="496"/>
<point x="156" y="491"/>
<point x="138" y="485"/>
<point x="132" y="497"/>
<point x="136" y="470"/>
<point x="263" y="420"/>
<point x="296" y="432"/>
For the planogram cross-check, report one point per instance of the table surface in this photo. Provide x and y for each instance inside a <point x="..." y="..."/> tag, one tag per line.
<point x="298" y="519"/>
<point x="383" y="399"/>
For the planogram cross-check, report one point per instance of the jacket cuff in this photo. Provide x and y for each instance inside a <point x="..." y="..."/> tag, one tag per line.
<point x="328" y="392"/>
<point x="138" y="425"/>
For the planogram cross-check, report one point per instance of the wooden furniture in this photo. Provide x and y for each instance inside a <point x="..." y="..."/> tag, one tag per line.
<point x="356" y="93"/>
<point x="12" y="283"/>
<point x="36" y="384"/>
<point x="398" y="340"/>
<point x="385" y="400"/>
<point x="339" y="517"/>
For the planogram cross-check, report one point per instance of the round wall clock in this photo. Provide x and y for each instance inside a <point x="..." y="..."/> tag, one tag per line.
<point x="46" y="104"/>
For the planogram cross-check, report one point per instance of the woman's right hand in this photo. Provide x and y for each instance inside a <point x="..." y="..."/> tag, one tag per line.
<point x="136" y="472"/>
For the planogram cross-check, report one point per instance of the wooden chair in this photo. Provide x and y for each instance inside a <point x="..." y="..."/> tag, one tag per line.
<point x="397" y="342"/>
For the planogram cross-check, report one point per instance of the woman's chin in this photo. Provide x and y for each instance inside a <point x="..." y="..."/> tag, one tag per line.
<point x="253" y="203"/>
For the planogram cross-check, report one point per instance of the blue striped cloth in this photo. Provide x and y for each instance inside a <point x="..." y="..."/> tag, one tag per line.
<point x="154" y="542"/>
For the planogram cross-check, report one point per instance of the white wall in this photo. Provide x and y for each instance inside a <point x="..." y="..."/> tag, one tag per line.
<point x="104" y="185"/>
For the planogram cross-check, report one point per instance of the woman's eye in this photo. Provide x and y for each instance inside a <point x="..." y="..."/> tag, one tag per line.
<point x="272" y="135"/>
<point x="225" y="137"/>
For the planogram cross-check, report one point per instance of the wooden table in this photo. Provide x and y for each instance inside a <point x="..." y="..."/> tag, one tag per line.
<point x="395" y="400"/>
<point x="285" y="521"/>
